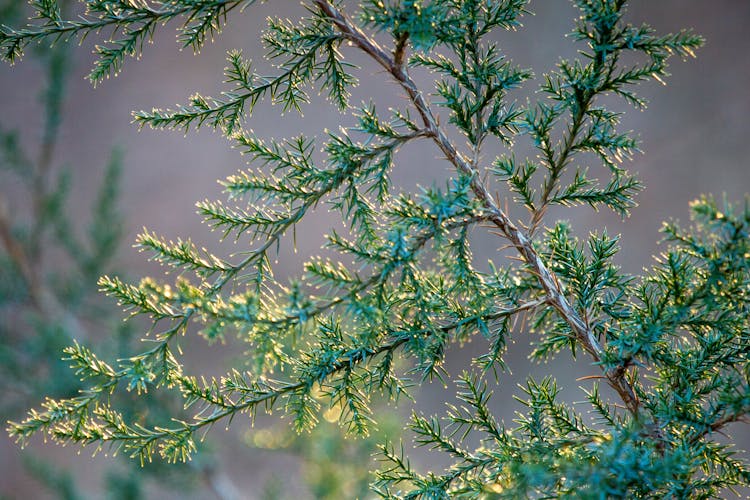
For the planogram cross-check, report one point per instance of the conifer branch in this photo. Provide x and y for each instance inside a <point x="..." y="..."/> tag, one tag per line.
<point x="521" y="241"/>
<point x="407" y="284"/>
<point x="135" y="21"/>
<point x="141" y="441"/>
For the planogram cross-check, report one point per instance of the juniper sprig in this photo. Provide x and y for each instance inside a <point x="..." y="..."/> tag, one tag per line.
<point x="672" y="345"/>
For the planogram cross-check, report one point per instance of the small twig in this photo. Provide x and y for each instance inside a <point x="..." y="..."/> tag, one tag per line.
<point x="739" y="416"/>
<point x="399" y="53"/>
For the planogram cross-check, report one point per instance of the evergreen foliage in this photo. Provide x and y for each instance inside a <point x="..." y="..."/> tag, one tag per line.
<point x="48" y="293"/>
<point x="672" y="345"/>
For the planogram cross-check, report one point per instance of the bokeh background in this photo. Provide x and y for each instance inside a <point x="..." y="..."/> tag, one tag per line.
<point x="694" y="134"/>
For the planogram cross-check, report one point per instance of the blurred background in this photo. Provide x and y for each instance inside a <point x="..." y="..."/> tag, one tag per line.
<point x="694" y="135"/>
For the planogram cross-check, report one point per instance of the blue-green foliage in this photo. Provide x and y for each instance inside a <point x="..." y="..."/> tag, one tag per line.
<point x="672" y="345"/>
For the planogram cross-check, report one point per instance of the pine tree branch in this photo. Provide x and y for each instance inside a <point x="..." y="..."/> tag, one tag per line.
<point x="557" y="165"/>
<point x="11" y="41"/>
<point x="335" y="332"/>
<point x="553" y="289"/>
<point x="131" y="24"/>
<point x="142" y="439"/>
